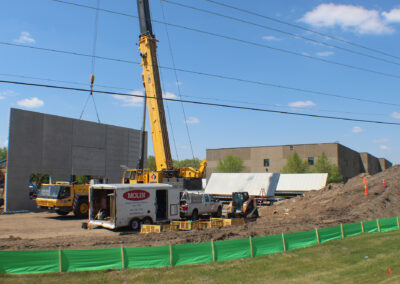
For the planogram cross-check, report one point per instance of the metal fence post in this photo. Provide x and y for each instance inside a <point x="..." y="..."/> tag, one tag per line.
<point x="316" y="232"/>
<point x="213" y="250"/>
<point x="122" y="257"/>
<point x="171" y="259"/>
<point x="60" y="259"/>
<point x="251" y="246"/>
<point x="283" y="239"/>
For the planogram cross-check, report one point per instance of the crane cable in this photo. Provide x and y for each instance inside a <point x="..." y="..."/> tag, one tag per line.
<point x="177" y="81"/>
<point x="92" y="77"/>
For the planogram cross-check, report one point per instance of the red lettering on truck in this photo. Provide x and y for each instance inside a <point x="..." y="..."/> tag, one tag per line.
<point x="136" y="195"/>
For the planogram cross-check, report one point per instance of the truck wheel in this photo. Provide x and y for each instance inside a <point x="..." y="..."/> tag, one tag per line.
<point x="147" y="221"/>
<point x="195" y="215"/>
<point x="134" y="224"/>
<point x="81" y="208"/>
<point x="218" y="214"/>
<point x="62" y="213"/>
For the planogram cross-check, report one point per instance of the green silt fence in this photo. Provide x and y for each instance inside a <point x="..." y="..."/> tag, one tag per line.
<point x="48" y="261"/>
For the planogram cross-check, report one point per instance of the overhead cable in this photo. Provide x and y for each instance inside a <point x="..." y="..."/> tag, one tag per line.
<point x="282" y="32"/>
<point x="260" y="83"/>
<point x="205" y="103"/>
<point x="304" y="29"/>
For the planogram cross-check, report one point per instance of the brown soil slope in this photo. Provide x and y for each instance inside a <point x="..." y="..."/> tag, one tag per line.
<point x="328" y="207"/>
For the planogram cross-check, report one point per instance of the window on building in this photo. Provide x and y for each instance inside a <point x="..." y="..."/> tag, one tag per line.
<point x="291" y="147"/>
<point x="266" y="162"/>
<point x="311" y="161"/>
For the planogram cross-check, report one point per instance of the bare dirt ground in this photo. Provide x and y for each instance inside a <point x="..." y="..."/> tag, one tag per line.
<point x="328" y="207"/>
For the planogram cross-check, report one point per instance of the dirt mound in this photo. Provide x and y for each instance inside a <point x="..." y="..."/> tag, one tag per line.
<point x="337" y="204"/>
<point x="330" y="206"/>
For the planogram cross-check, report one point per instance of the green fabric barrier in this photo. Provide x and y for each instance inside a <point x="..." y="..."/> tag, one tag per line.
<point x="300" y="240"/>
<point x="91" y="259"/>
<point x="143" y="257"/>
<point x="24" y="262"/>
<point x="388" y="224"/>
<point x="192" y="253"/>
<point x="371" y="226"/>
<point x="267" y="245"/>
<point x="328" y="234"/>
<point x="352" y="229"/>
<point x="232" y="249"/>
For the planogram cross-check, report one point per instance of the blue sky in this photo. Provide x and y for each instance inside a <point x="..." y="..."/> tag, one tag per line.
<point x="375" y="24"/>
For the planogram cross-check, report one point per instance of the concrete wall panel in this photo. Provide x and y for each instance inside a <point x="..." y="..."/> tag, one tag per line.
<point x="61" y="147"/>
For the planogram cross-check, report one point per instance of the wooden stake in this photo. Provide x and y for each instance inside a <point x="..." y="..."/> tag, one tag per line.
<point x="379" y="227"/>
<point x="283" y="239"/>
<point x="362" y="226"/>
<point x="213" y="250"/>
<point x="122" y="257"/>
<point x="316" y="232"/>
<point x="341" y="228"/>
<point x="251" y="246"/>
<point x="171" y="256"/>
<point x="398" y="223"/>
<point x="60" y="259"/>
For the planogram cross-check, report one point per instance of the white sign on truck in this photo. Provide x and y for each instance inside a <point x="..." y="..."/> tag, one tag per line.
<point x="114" y="206"/>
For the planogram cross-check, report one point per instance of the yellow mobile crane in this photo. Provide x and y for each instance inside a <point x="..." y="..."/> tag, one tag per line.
<point x="188" y="178"/>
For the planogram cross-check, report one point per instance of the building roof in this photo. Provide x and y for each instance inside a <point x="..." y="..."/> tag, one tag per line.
<point x="305" y="144"/>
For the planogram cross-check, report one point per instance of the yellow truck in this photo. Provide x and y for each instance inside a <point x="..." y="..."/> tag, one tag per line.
<point x="63" y="198"/>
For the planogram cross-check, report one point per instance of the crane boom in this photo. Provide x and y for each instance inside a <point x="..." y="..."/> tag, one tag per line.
<point x="186" y="177"/>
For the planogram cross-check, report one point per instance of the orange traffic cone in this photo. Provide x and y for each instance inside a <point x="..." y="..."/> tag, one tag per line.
<point x="366" y="190"/>
<point x="389" y="271"/>
<point x="383" y="183"/>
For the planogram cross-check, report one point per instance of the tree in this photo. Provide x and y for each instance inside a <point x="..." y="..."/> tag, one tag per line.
<point x="322" y="165"/>
<point x="80" y="179"/>
<point x="295" y="165"/>
<point x="231" y="164"/>
<point x="3" y="153"/>
<point x="194" y="163"/>
<point x="151" y="163"/>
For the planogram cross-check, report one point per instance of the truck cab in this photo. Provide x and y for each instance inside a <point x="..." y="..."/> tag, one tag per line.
<point x="63" y="198"/>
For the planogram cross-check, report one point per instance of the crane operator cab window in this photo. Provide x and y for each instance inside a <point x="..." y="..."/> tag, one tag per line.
<point x="65" y="192"/>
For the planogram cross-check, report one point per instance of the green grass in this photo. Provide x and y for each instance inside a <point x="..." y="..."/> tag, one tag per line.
<point x="361" y="259"/>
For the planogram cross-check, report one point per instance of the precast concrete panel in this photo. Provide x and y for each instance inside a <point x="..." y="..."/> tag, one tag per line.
<point x="61" y="147"/>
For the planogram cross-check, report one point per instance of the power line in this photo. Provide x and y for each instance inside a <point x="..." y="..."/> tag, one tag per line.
<point x="304" y="29"/>
<point x="195" y="97"/>
<point x="254" y="82"/>
<point x="205" y="103"/>
<point x="248" y="42"/>
<point x="282" y="32"/>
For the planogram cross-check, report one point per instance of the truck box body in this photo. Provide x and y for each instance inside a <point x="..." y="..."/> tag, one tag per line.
<point x="115" y="205"/>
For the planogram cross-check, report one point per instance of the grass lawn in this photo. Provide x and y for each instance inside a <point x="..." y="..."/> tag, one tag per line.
<point x="361" y="259"/>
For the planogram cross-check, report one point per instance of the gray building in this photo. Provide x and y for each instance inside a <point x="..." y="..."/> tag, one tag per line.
<point x="273" y="158"/>
<point x="61" y="147"/>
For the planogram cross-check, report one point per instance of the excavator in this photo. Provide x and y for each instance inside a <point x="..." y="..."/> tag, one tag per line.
<point x="187" y="177"/>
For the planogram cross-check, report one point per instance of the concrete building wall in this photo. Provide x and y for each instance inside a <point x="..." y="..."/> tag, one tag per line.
<point x="371" y="164"/>
<point x="385" y="164"/>
<point x="349" y="161"/>
<point x="61" y="147"/>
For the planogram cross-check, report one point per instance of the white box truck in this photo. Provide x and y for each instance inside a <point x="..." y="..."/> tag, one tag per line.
<point x="114" y="206"/>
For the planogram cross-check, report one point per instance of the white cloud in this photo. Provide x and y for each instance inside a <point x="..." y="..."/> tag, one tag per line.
<point x="31" y="103"/>
<point x="357" y="129"/>
<point x="384" y="147"/>
<point x="325" y="53"/>
<point x="356" y="19"/>
<point x="302" y="104"/>
<point x="271" y="38"/>
<point x="7" y="93"/>
<point x="128" y="101"/>
<point x="168" y="95"/>
<point x="192" y="120"/>
<point x="382" y="140"/>
<point x="25" y="37"/>
<point x="392" y="16"/>
<point x="396" y="115"/>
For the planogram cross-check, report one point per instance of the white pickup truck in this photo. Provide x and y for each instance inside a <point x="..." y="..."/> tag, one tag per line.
<point x="194" y="204"/>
